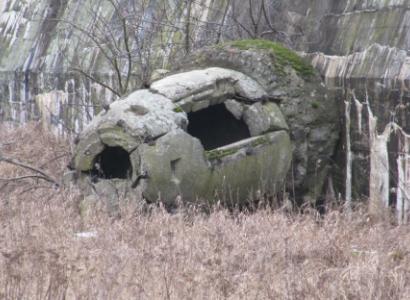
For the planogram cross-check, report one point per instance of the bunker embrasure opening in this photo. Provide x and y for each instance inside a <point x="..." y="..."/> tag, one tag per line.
<point x="111" y="163"/>
<point x="216" y="126"/>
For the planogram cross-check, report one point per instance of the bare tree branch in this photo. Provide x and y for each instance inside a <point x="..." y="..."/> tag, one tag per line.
<point x="239" y="24"/>
<point x="251" y="16"/>
<point x="94" y="79"/>
<point x="129" y="57"/>
<point x="42" y="174"/>
<point x="267" y="18"/>
<point x="188" y="26"/>
<point x="91" y="36"/>
<point x="219" y="34"/>
<point x="24" y="177"/>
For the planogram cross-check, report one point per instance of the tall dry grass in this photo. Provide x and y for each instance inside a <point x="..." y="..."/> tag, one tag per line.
<point x="50" y="248"/>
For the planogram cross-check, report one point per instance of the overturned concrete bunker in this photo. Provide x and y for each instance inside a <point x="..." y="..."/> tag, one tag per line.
<point x="198" y="134"/>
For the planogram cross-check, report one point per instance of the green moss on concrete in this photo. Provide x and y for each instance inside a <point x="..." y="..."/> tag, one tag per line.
<point x="216" y="154"/>
<point x="178" y="109"/>
<point x="260" y="141"/>
<point x="284" y="56"/>
<point x="315" y="105"/>
<point x="220" y="153"/>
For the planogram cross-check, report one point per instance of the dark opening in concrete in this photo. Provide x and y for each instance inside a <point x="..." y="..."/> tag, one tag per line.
<point x="113" y="162"/>
<point x="215" y="127"/>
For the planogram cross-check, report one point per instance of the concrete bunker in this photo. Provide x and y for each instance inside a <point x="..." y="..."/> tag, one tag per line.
<point x="192" y="134"/>
<point x="215" y="126"/>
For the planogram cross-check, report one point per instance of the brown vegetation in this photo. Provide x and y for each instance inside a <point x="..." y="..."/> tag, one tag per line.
<point x="53" y="248"/>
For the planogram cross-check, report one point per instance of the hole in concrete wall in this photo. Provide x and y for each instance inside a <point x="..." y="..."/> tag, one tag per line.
<point x="174" y="164"/>
<point x="215" y="127"/>
<point x="113" y="162"/>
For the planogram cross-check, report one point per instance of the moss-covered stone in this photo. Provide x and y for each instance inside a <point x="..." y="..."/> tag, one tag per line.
<point x="178" y="109"/>
<point x="219" y="153"/>
<point x="315" y="105"/>
<point x="283" y="56"/>
<point x="260" y="141"/>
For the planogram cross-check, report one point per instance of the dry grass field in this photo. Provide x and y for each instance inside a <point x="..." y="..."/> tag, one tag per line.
<point x="53" y="248"/>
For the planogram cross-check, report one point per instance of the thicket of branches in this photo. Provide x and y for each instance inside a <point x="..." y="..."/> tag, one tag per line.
<point x="140" y="36"/>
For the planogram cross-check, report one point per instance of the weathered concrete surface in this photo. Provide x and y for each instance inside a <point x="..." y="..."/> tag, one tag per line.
<point x="380" y="76"/>
<point x="263" y="118"/>
<point x="310" y="110"/>
<point x="361" y="46"/>
<point x="254" y="168"/>
<point x="128" y="123"/>
<point x="214" y="83"/>
<point x="166" y="162"/>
